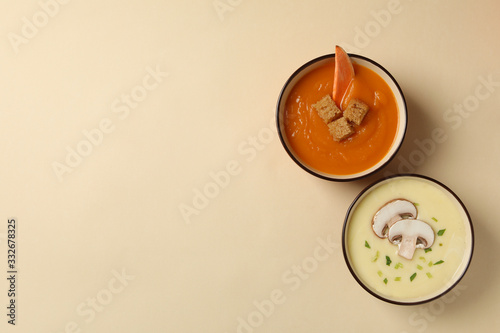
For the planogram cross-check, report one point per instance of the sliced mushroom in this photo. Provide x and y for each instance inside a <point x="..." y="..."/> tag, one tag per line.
<point x="411" y="234"/>
<point x="391" y="212"/>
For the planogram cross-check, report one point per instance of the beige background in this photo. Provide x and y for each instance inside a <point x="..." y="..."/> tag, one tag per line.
<point x="210" y="106"/>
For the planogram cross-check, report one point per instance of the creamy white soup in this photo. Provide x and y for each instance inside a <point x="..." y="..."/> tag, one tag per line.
<point x="378" y="263"/>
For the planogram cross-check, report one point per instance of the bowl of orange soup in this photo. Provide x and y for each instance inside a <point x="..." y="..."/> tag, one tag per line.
<point x="307" y="138"/>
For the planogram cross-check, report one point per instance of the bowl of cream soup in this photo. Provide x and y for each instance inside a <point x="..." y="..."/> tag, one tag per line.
<point x="407" y="239"/>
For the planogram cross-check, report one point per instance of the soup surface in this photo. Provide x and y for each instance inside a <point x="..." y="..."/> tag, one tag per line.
<point x="309" y="136"/>
<point x="376" y="261"/>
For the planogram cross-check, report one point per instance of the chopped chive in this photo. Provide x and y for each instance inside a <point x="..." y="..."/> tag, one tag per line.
<point x="429" y="275"/>
<point x="398" y="278"/>
<point x="420" y="267"/>
<point x="379" y="273"/>
<point x="440" y="244"/>
<point x="441" y="232"/>
<point x="438" y="262"/>
<point x="415" y="203"/>
<point x="430" y="264"/>
<point x="385" y="280"/>
<point x="398" y="265"/>
<point x="367" y="245"/>
<point x="413" y="276"/>
<point x="435" y="219"/>
<point x="376" y="257"/>
<point x="422" y="258"/>
<point x="388" y="261"/>
<point x="428" y="250"/>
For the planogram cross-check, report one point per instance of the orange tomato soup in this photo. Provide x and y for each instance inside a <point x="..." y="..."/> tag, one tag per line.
<point x="309" y="137"/>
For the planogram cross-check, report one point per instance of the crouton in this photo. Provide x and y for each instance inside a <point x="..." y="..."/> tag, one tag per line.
<point x="356" y="111"/>
<point x="327" y="109"/>
<point x="340" y="129"/>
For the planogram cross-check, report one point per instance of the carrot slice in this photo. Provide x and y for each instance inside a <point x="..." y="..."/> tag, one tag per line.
<point x="344" y="73"/>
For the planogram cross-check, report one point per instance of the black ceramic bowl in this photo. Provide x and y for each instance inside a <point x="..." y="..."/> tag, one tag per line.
<point x="376" y="263"/>
<point x="307" y="68"/>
